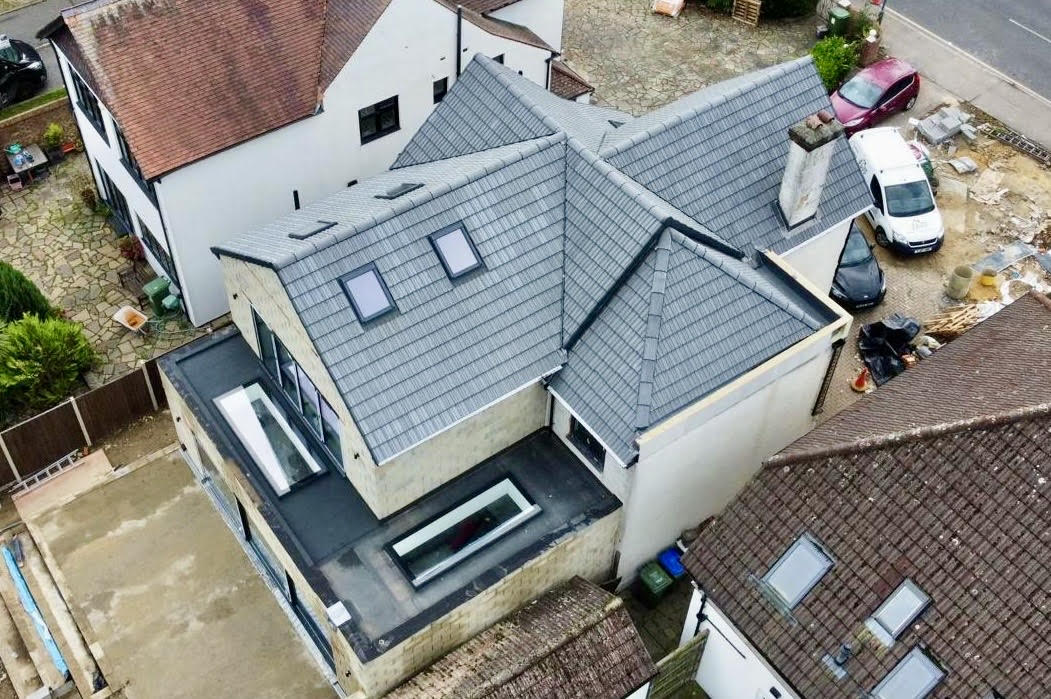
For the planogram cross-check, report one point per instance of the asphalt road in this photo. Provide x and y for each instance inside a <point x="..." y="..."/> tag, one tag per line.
<point x="1013" y="36"/>
<point x="25" y="23"/>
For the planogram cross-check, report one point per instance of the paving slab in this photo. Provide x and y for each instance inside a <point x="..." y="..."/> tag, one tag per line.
<point x="168" y="601"/>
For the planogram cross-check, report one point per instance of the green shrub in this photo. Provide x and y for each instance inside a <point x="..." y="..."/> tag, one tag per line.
<point x="834" y="58"/>
<point x="53" y="136"/>
<point x="41" y="361"/>
<point x="720" y="5"/>
<point x="775" y="9"/>
<point x="859" y="26"/>
<point x="18" y="296"/>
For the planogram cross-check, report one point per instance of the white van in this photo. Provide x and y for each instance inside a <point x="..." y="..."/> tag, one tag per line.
<point x="905" y="216"/>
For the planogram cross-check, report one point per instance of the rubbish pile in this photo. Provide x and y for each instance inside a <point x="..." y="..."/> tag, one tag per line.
<point x="890" y="346"/>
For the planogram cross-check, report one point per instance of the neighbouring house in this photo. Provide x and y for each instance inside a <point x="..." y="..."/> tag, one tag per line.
<point x="505" y="362"/>
<point x="203" y="120"/>
<point x="574" y="641"/>
<point x="902" y="550"/>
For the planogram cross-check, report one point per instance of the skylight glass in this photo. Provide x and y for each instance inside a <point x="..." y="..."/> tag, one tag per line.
<point x="798" y="570"/>
<point x="897" y="612"/>
<point x="264" y="431"/>
<point x="472" y="525"/>
<point x="456" y="250"/>
<point x="367" y="293"/>
<point x="914" y="677"/>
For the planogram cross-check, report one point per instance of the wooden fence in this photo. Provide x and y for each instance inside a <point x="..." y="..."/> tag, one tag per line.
<point x="80" y="421"/>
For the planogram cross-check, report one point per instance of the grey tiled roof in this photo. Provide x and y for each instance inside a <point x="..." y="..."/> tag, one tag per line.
<point x="492" y="106"/>
<point x="646" y="306"/>
<point x="719" y="154"/>
<point x="689" y="320"/>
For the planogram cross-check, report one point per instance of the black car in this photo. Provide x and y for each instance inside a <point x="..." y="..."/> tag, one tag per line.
<point x="21" y="71"/>
<point x="859" y="281"/>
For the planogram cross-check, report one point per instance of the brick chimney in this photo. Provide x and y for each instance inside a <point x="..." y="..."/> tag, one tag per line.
<point x="810" y="147"/>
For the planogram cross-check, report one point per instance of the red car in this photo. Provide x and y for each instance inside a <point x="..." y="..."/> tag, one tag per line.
<point x="876" y="92"/>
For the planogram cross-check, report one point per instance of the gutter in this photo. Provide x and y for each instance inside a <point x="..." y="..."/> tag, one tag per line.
<point x="459" y="39"/>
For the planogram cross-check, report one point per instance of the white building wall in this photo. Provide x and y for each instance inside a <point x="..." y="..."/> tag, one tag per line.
<point x="544" y="17"/>
<point x="817" y="258"/>
<point x="205" y="203"/>
<point x="614" y="475"/>
<point x="730" y="666"/>
<point x="693" y="466"/>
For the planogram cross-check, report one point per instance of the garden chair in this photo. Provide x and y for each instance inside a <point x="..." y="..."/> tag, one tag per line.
<point x="14" y="182"/>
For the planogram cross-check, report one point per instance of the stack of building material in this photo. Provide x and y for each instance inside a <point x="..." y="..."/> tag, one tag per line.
<point x="944" y="124"/>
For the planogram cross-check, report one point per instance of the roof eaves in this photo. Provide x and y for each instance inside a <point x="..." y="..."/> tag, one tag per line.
<point x="884" y="441"/>
<point x="678" y="118"/>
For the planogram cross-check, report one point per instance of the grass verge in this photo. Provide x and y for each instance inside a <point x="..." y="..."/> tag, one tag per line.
<point x="33" y="102"/>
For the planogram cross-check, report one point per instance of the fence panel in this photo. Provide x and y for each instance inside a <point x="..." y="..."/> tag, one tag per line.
<point x="44" y="439"/>
<point x="111" y="406"/>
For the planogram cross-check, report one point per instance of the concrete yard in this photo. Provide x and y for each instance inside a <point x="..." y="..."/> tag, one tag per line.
<point x="168" y="602"/>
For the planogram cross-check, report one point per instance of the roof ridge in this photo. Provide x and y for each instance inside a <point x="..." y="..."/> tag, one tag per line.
<point x="915" y="434"/>
<point x="413" y="199"/>
<point x="503" y="74"/>
<point x="651" y="336"/>
<point x="767" y="75"/>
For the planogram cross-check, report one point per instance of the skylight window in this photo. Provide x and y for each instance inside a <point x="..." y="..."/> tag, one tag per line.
<point x="264" y="431"/>
<point x="798" y="571"/>
<point x="399" y="190"/>
<point x="310" y="229"/>
<point x="897" y="612"/>
<point x="456" y="250"/>
<point x="443" y="542"/>
<point x="368" y="294"/>
<point x="914" y="677"/>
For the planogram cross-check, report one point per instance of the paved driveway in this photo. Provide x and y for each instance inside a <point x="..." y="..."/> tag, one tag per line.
<point x="23" y="23"/>
<point x="155" y="579"/>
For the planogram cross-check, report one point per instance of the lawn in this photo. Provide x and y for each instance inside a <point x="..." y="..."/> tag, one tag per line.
<point x="33" y="102"/>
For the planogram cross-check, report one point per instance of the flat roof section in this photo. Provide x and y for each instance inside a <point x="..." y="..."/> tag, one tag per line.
<point x="341" y="547"/>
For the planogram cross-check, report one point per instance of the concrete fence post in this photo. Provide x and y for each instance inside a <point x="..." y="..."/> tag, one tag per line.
<point x="80" y="420"/>
<point x="149" y="387"/>
<point x="10" y="461"/>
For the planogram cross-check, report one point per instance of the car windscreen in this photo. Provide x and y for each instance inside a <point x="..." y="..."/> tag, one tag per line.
<point x="856" y="250"/>
<point x="861" y="92"/>
<point x="909" y="199"/>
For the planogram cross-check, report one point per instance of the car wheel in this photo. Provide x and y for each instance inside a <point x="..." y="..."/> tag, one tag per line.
<point x="911" y="103"/>
<point x="881" y="237"/>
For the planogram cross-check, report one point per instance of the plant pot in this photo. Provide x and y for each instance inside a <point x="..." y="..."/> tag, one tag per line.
<point x="68" y="147"/>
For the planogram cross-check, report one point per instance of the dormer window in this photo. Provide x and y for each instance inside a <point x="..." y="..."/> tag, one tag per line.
<point x="456" y="250"/>
<point x="368" y="294"/>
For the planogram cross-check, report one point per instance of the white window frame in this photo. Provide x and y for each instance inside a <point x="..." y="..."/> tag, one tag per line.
<point x="916" y="655"/>
<point x="803" y="540"/>
<point x="406" y="544"/>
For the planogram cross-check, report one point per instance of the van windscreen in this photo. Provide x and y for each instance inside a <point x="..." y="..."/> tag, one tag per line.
<point x="909" y="199"/>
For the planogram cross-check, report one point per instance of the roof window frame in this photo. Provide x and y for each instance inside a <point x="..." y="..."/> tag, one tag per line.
<point x="804" y="539"/>
<point x="916" y="654"/>
<point x="355" y="273"/>
<point x="887" y="636"/>
<point x="449" y="230"/>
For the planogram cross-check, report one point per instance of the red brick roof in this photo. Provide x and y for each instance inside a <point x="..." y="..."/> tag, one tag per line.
<point x="567" y="83"/>
<point x="186" y="79"/>
<point x="960" y="506"/>
<point x="574" y="641"/>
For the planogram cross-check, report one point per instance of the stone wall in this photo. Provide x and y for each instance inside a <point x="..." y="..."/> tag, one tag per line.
<point x="28" y="127"/>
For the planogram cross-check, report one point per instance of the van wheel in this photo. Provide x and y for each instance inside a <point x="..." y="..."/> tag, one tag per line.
<point x="911" y="103"/>
<point x="881" y="237"/>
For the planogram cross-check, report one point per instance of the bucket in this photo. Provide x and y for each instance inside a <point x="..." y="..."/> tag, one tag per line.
<point x="959" y="282"/>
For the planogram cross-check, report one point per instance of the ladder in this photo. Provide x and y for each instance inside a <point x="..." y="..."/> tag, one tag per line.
<point x="747" y="11"/>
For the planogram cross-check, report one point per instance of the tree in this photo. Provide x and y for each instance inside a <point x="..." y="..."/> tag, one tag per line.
<point x="18" y="296"/>
<point x="41" y="361"/>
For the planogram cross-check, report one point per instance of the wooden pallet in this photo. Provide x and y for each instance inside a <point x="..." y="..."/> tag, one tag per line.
<point x="747" y="11"/>
<point x="953" y="322"/>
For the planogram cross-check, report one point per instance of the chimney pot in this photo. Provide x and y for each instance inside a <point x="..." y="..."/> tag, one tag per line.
<point x="825" y="116"/>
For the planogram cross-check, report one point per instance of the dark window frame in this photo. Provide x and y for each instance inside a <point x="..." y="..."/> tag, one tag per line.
<point x="353" y="274"/>
<point x="586" y="443"/>
<point x="156" y="249"/>
<point x="275" y="374"/>
<point x="117" y="202"/>
<point x="89" y="104"/>
<point x="375" y="112"/>
<point x="440" y="89"/>
<point x="132" y="165"/>
<point x="479" y="262"/>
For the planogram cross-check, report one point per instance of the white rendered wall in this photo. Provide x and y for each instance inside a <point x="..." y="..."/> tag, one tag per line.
<point x="817" y="258"/>
<point x="231" y="192"/>
<point x="730" y="667"/>
<point x="544" y="17"/>
<point x="690" y="472"/>
<point x="614" y="475"/>
<point x="107" y="156"/>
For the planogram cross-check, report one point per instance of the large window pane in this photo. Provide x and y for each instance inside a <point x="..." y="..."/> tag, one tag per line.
<point x="287" y="372"/>
<point x="330" y="427"/>
<point x="309" y="400"/>
<point x="266" y="345"/>
<point x="448" y="539"/>
<point x="264" y="431"/>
